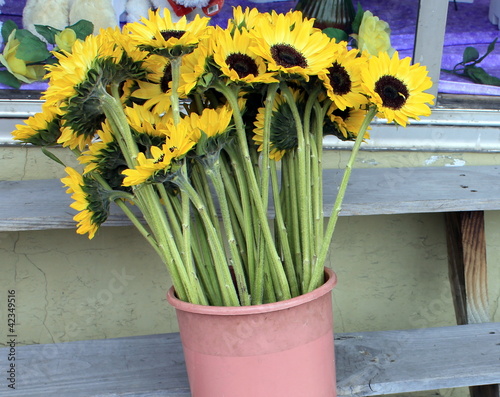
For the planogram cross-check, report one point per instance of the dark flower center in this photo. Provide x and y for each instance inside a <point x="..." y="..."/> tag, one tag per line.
<point x="166" y="78"/>
<point x="393" y="92"/>
<point x="168" y="34"/>
<point x="343" y="114"/>
<point x="339" y="79"/>
<point x="242" y="64"/>
<point x="287" y="56"/>
<point x="159" y="159"/>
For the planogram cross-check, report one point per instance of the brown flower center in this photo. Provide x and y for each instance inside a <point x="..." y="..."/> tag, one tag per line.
<point x="394" y="92"/>
<point x="339" y="79"/>
<point x="166" y="78"/>
<point x="343" y="114"/>
<point x="168" y="34"/>
<point x="242" y="64"/>
<point x="287" y="56"/>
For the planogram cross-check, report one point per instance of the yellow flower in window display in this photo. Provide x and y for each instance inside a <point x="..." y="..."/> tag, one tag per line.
<point x="292" y="50"/>
<point x="342" y="79"/>
<point x="65" y="39"/>
<point x="158" y="34"/>
<point x="19" y="68"/>
<point x="283" y="127"/>
<point x="397" y="88"/>
<point x="374" y="35"/>
<point x="88" y="200"/>
<point x="236" y="60"/>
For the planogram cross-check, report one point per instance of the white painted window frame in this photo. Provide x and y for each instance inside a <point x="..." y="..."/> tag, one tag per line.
<point x="467" y="127"/>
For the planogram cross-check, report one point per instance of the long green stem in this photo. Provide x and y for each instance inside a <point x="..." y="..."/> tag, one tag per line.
<point x="215" y="176"/>
<point x="282" y="233"/>
<point x="229" y="294"/>
<point x="280" y="282"/>
<point x="303" y="198"/>
<point x="319" y="265"/>
<point x="248" y="227"/>
<point x="175" y="64"/>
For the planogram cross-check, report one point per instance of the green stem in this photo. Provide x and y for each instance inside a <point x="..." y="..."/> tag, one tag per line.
<point x="175" y="64"/>
<point x="229" y="294"/>
<point x="303" y="196"/>
<point x="214" y="174"/>
<point x="280" y="282"/>
<point x="248" y="227"/>
<point x="316" y="281"/>
<point x="282" y="234"/>
<point x="317" y="192"/>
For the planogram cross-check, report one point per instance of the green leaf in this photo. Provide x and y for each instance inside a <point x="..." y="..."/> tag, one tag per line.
<point x="491" y="47"/>
<point x="7" y="28"/>
<point x="357" y="19"/>
<point x="52" y="156"/>
<point x="32" y="49"/>
<point x="8" y="79"/>
<point x="337" y="34"/>
<point x="47" y="32"/>
<point x="470" y="55"/>
<point x="82" y="28"/>
<point x="479" y="75"/>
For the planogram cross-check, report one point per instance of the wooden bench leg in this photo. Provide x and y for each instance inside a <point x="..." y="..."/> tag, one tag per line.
<point x="468" y="275"/>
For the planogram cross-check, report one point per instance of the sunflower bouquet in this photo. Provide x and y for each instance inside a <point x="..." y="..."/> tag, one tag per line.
<point x="199" y="133"/>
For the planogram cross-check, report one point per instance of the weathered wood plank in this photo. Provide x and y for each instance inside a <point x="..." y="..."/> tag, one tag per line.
<point x="43" y="204"/>
<point x="466" y="242"/>
<point x="376" y="363"/>
<point x="368" y="364"/>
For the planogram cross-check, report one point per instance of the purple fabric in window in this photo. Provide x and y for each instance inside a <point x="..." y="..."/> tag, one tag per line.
<point x="468" y="24"/>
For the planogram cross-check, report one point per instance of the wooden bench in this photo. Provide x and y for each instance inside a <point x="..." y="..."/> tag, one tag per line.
<point x="368" y="364"/>
<point x="423" y="359"/>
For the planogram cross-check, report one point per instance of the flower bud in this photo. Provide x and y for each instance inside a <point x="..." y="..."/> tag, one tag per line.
<point x="66" y="39"/>
<point x="374" y="35"/>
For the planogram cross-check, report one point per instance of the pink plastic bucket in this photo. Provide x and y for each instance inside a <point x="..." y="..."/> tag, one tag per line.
<point x="282" y="349"/>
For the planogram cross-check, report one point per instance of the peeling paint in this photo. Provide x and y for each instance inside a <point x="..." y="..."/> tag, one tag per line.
<point x="447" y="161"/>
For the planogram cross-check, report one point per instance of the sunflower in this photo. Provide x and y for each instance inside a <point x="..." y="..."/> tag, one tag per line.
<point x="156" y="168"/>
<point x="211" y="122"/>
<point x="342" y="79"/>
<point x="95" y="154"/>
<point x="88" y="200"/>
<point x="71" y="70"/>
<point x="244" y="19"/>
<point x="292" y="49"/>
<point x="160" y="35"/>
<point x="283" y="128"/>
<point x="143" y="121"/>
<point x="105" y="157"/>
<point x="79" y="80"/>
<point x="397" y="88"/>
<point x="346" y="122"/>
<point x="40" y="129"/>
<point x="236" y="60"/>
<point x="157" y="89"/>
